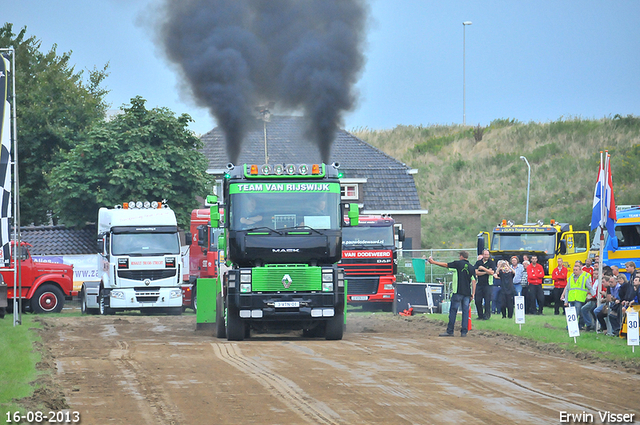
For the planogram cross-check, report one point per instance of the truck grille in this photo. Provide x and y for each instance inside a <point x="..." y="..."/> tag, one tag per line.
<point x="303" y="278"/>
<point x="146" y="274"/>
<point x="362" y="286"/>
<point x="147" y="295"/>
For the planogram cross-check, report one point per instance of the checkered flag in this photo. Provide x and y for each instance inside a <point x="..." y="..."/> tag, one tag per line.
<point x="5" y="167"/>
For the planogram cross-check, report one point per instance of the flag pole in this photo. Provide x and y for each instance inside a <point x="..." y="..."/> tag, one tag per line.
<point x="601" y="249"/>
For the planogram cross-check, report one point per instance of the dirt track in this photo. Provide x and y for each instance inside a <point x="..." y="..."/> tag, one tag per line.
<point x="158" y="370"/>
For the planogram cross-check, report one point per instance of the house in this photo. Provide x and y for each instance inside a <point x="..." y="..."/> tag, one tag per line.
<point x="377" y="182"/>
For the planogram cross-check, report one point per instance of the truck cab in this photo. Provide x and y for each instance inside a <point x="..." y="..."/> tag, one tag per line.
<point x="547" y="241"/>
<point x="624" y="246"/>
<point x="139" y="247"/>
<point x="282" y="242"/>
<point x="44" y="285"/>
<point x="370" y="261"/>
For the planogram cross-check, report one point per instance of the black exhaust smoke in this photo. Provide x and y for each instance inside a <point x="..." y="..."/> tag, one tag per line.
<point x="234" y="54"/>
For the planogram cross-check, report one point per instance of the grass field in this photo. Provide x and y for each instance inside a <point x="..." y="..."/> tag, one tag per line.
<point x="551" y="329"/>
<point x="18" y="359"/>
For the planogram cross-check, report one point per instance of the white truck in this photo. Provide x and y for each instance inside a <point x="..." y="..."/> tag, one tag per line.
<point x="139" y="247"/>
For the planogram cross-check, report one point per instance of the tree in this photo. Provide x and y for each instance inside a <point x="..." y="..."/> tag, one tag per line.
<point x="55" y="108"/>
<point x="141" y="155"/>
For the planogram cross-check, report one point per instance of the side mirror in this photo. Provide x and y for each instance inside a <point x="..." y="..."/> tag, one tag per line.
<point x="202" y="236"/>
<point x="563" y="247"/>
<point x="100" y="245"/>
<point x="212" y="203"/>
<point x="480" y="243"/>
<point x="188" y="238"/>
<point x="354" y="214"/>
<point x="401" y="235"/>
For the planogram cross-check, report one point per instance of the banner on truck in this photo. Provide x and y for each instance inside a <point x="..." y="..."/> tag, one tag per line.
<point x="85" y="267"/>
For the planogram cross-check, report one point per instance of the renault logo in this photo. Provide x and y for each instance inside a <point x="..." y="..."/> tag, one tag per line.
<point x="147" y="282"/>
<point x="286" y="281"/>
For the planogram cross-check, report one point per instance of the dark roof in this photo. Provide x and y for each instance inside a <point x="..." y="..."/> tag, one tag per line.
<point x="388" y="187"/>
<point x="59" y="240"/>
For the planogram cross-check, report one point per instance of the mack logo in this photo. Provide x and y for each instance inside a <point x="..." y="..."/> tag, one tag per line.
<point x="286" y="281"/>
<point x="285" y="249"/>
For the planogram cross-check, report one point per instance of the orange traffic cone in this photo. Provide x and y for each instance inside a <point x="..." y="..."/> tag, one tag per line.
<point x="469" y="327"/>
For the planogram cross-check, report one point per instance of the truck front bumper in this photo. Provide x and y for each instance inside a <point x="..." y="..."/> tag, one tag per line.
<point x="130" y="298"/>
<point x="289" y="307"/>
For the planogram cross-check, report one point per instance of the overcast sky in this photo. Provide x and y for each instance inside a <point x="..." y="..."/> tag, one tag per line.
<point x="533" y="61"/>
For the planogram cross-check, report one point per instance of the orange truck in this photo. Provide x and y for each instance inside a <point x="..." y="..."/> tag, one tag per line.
<point x="44" y="285"/>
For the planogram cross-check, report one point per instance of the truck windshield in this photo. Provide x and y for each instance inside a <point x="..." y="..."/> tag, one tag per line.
<point x="540" y="242"/>
<point x="143" y="244"/>
<point x="284" y="210"/>
<point x="628" y="235"/>
<point x="366" y="235"/>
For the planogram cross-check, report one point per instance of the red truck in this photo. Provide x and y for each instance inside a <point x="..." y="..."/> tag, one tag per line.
<point x="202" y="259"/>
<point x="370" y="261"/>
<point x="44" y="285"/>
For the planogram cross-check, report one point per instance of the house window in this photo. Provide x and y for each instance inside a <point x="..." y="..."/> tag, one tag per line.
<point x="349" y="191"/>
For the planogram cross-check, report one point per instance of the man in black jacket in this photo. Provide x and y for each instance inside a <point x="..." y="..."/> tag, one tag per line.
<point x="464" y="293"/>
<point x="485" y="267"/>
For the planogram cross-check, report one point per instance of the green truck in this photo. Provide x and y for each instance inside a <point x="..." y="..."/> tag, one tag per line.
<point x="278" y="234"/>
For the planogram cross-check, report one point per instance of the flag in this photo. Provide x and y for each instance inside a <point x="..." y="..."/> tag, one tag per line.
<point x="596" y="213"/>
<point x="610" y="207"/>
<point x="5" y="166"/>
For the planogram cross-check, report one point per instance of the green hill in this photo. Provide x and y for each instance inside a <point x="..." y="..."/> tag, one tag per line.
<point x="469" y="184"/>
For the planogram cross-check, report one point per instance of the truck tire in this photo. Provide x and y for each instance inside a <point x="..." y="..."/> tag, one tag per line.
<point x="335" y="329"/>
<point x="104" y="310"/>
<point x="3" y="311"/>
<point x="221" y="331"/>
<point x="174" y="311"/>
<point x="83" y="304"/>
<point x="47" y="299"/>
<point x="315" y="332"/>
<point x="235" y="326"/>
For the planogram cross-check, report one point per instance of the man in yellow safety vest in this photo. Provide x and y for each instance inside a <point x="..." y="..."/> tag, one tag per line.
<point x="575" y="293"/>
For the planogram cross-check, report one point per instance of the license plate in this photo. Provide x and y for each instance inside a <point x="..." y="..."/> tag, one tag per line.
<point x="286" y="304"/>
<point x="359" y="298"/>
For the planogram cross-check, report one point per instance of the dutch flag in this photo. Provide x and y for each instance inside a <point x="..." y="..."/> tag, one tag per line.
<point x="605" y="181"/>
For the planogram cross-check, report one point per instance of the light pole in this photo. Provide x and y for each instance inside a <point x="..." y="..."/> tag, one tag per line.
<point x="526" y="217"/>
<point x="464" y="115"/>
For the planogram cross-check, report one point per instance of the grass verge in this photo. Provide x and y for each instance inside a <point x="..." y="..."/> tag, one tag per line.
<point x="18" y="359"/>
<point x="551" y="329"/>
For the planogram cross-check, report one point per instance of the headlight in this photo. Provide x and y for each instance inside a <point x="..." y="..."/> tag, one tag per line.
<point x="327" y="286"/>
<point x="327" y="277"/>
<point x="245" y="278"/>
<point x="245" y="287"/>
<point x="175" y="293"/>
<point x="117" y="294"/>
<point x="388" y="286"/>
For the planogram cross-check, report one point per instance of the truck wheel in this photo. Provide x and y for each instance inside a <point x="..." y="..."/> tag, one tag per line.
<point x="3" y="311"/>
<point x="316" y="332"/>
<point x="235" y="326"/>
<point x="47" y="299"/>
<point x="104" y="310"/>
<point x="334" y="328"/>
<point x="221" y="331"/>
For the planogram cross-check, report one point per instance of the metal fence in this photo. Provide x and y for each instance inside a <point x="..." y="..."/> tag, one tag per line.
<point x="409" y="265"/>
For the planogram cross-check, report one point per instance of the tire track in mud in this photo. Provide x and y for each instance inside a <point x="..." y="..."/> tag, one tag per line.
<point x="293" y="397"/>
<point x="155" y="407"/>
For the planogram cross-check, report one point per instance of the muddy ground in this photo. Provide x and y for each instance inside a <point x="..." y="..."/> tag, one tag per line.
<point x="128" y="369"/>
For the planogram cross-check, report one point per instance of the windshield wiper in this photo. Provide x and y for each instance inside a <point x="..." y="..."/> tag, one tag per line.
<point x="253" y="229"/>
<point x="302" y="226"/>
